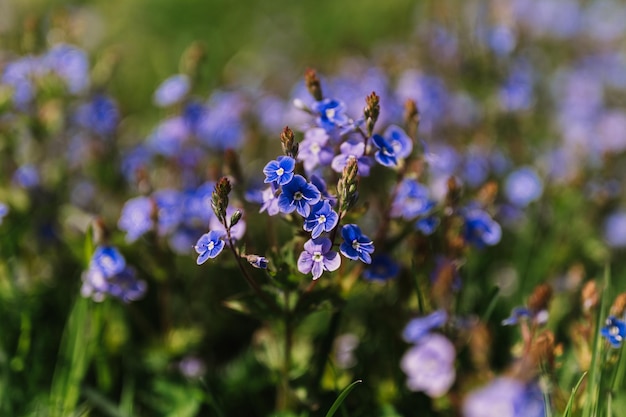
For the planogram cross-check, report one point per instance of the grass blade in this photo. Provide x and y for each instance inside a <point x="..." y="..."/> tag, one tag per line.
<point x="570" y="402"/>
<point x="342" y="397"/>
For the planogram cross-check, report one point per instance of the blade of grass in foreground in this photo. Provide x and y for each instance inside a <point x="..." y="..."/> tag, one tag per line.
<point x="593" y="384"/>
<point x="570" y="402"/>
<point x="342" y="397"/>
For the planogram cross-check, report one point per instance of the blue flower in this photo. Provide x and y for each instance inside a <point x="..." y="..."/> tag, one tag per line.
<point x="126" y="286"/>
<point x="430" y="365"/>
<point x="420" y="326"/>
<point x="108" y="260"/>
<point x="270" y="202"/>
<point x="4" y="210"/>
<point x="480" y="228"/>
<point x="279" y="171"/>
<point x="352" y="150"/>
<point x="209" y="246"/>
<point x="518" y="314"/>
<point x="318" y="257"/>
<point x="321" y="219"/>
<point x="505" y="397"/>
<point x="411" y="200"/>
<point x="614" y="331"/>
<point x="315" y="149"/>
<point x="356" y="245"/>
<point x="257" y="261"/>
<point x="100" y="115"/>
<point x="382" y="268"/>
<point x="136" y="217"/>
<point x="427" y="225"/>
<point x="298" y="195"/>
<point x="400" y="142"/>
<point x="26" y="176"/>
<point x="385" y="155"/>
<point x="523" y="187"/>
<point x="331" y="113"/>
<point x="172" y="90"/>
<point x="169" y="206"/>
<point x="169" y="137"/>
<point x="70" y="64"/>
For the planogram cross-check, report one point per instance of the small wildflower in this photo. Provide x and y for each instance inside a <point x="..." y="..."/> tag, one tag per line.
<point x="614" y="331"/>
<point x="269" y="201"/>
<point x="257" y="261"/>
<point x="279" y="171"/>
<point x="430" y="365"/>
<point x="352" y="150"/>
<point x="331" y="114"/>
<point x="298" y="195"/>
<point x="318" y="257"/>
<point x="209" y="246"/>
<point x="100" y="115"/>
<point x="356" y="245"/>
<point x="385" y="155"/>
<point x="4" y="210"/>
<point x="523" y="187"/>
<point x="382" y="268"/>
<point x="137" y="217"/>
<point x="321" y="219"/>
<point x="481" y="229"/>
<point x="418" y="327"/>
<point x="172" y="90"/>
<point x="505" y="397"/>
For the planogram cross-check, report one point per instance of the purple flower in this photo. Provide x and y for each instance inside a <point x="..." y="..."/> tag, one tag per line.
<point x="4" y="210"/>
<point x="169" y="206"/>
<point x="108" y="260"/>
<point x="480" y="228"/>
<point x="136" y="217"/>
<point x="19" y="75"/>
<point x="314" y="150"/>
<point x="419" y="327"/>
<point x="172" y="90"/>
<point x="169" y="137"/>
<point x="614" y="331"/>
<point x="279" y="171"/>
<point x="356" y="245"/>
<point x="523" y="187"/>
<point x="430" y="365"/>
<point x="318" y="257"/>
<point x="427" y="225"/>
<point x="270" y="202"/>
<point x="26" y="176"/>
<point x="352" y="150"/>
<point x="298" y="195"/>
<point x="382" y="268"/>
<point x="505" y="397"/>
<point x="615" y="229"/>
<point x="71" y="65"/>
<point x="321" y="219"/>
<point x="209" y="246"/>
<point x="385" y="155"/>
<point x="126" y="286"/>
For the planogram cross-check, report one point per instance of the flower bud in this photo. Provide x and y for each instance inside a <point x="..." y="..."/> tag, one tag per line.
<point x="313" y="84"/>
<point x="589" y="296"/>
<point x="619" y="305"/>
<point x="347" y="187"/>
<point x="219" y="198"/>
<point x="234" y="219"/>
<point x="540" y="298"/>
<point x="371" y="111"/>
<point x="257" y="261"/>
<point x="290" y="146"/>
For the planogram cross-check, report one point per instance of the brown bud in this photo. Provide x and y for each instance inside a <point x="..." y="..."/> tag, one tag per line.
<point x="313" y="84"/>
<point x="487" y="193"/>
<point x="411" y="117"/>
<point x="540" y="298"/>
<point x="589" y="296"/>
<point x="287" y="140"/>
<point x="219" y="198"/>
<point x="371" y="111"/>
<point x="619" y="305"/>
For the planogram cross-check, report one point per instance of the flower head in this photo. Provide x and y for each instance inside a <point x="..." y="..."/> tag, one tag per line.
<point x="481" y="229"/>
<point x="172" y="90"/>
<point x="331" y="113"/>
<point x="523" y="187"/>
<point x="318" y="257"/>
<point x="430" y="365"/>
<point x="321" y="219"/>
<point x="137" y="217"/>
<point x="279" y="171"/>
<point x="614" y="331"/>
<point x="356" y="245"/>
<point x="352" y="150"/>
<point x="385" y="155"/>
<point x="505" y="397"/>
<point x="209" y="246"/>
<point x="298" y="195"/>
<point x="419" y="327"/>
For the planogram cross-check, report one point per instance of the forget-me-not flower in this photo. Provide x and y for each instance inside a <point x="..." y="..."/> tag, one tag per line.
<point x="209" y="246"/>
<point x="318" y="257"/>
<point x="279" y="171"/>
<point x="523" y="186"/>
<point x="331" y="113"/>
<point x="298" y="195"/>
<point x="321" y="219"/>
<point x="614" y="331"/>
<point x="352" y="150"/>
<point x="385" y="155"/>
<point x="137" y="217"/>
<point x="480" y="228"/>
<point x="419" y="327"/>
<point x="356" y="245"/>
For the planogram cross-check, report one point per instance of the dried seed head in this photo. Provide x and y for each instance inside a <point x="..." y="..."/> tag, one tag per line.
<point x="589" y="296"/>
<point x="619" y="305"/>
<point x="313" y="84"/>
<point x="540" y="298"/>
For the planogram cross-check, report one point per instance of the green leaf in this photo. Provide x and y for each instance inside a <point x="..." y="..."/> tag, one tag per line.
<point x="342" y="397"/>
<point x="570" y="402"/>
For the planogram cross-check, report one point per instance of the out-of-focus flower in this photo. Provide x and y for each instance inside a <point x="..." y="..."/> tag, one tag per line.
<point x="172" y="90"/>
<point x="321" y="219"/>
<point x="419" y="327"/>
<point x="523" y="186"/>
<point x="430" y="365"/>
<point x="505" y="397"/>
<point x="318" y="257"/>
<point x="209" y="245"/>
<point x="385" y="155"/>
<point x="615" y="229"/>
<point x="26" y="176"/>
<point x="356" y="245"/>
<point x="4" y="210"/>
<point x="298" y="195"/>
<point x="382" y="268"/>
<point x="314" y="150"/>
<point x="99" y="115"/>
<point x="70" y="64"/>
<point x="614" y="331"/>
<point x="192" y="367"/>
<point x="331" y="114"/>
<point x="411" y="200"/>
<point x="137" y="217"/>
<point x="352" y="150"/>
<point x="279" y="171"/>
<point x="126" y="286"/>
<point x="480" y="228"/>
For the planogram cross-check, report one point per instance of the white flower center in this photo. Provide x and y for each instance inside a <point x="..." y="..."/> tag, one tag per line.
<point x="280" y="171"/>
<point x="317" y="256"/>
<point x="315" y="148"/>
<point x="356" y="245"/>
<point x="210" y="246"/>
<point x="321" y="219"/>
<point x="330" y="113"/>
<point x="298" y="196"/>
